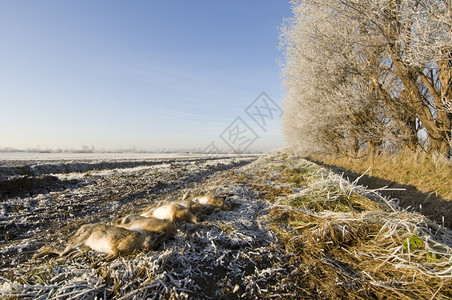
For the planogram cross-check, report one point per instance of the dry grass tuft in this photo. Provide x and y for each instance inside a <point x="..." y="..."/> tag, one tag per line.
<point x="353" y="243"/>
<point x="430" y="173"/>
<point x="330" y="192"/>
<point x="372" y="254"/>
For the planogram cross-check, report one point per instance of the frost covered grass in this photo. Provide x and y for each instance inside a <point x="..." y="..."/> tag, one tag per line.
<point x="359" y="244"/>
<point x="430" y="173"/>
<point x="293" y="230"/>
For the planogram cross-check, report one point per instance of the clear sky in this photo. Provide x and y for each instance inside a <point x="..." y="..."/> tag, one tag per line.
<point x="152" y="74"/>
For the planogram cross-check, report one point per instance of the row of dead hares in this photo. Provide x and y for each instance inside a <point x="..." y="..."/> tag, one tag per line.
<point x="143" y="231"/>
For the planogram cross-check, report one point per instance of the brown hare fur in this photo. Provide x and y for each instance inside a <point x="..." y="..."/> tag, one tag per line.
<point x="173" y="212"/>
<point x="147" y="225"/>
<point x="111" y="240"/>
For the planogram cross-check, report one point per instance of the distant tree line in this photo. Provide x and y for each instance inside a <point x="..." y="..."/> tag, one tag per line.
<point x="368" y="74"/>
<point x="83" y="149"/>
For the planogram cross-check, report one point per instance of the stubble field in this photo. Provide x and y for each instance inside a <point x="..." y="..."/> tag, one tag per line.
<point x="291" y="230"/>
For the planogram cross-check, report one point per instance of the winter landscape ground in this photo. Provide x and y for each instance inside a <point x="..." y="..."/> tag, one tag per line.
<point x="292" y="230"/>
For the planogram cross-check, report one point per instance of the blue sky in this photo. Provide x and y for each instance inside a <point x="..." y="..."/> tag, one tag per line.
<point x="150" y="74"/>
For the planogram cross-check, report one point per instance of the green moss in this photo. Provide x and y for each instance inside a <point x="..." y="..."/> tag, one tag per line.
<point x="412" y="243"/>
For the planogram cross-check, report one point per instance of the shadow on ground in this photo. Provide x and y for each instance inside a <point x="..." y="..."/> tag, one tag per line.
<point x="429" y="204"/>
<point x="29" y="185"/>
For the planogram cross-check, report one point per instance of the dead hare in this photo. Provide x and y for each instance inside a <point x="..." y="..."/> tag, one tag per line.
<point x="111" y="240"/>
<point x="173" y="212"/>
<point x="147" y="225"/>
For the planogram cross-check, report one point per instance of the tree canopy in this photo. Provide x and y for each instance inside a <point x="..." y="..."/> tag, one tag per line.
<point x="368" y="74"/>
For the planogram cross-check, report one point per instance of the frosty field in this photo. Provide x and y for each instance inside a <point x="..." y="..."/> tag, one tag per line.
<point x="292" y="230"/>
<point x="43" y="193"/>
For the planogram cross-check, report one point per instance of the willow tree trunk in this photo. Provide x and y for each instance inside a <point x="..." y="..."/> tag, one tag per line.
<point x="444" y="114"/>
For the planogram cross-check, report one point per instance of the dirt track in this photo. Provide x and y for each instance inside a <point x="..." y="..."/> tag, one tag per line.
<point x="228" y="254"/>
<point x="49" y="206"/>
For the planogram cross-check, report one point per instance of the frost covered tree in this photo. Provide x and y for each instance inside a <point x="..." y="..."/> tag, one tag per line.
<point x="368" y="72"/>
